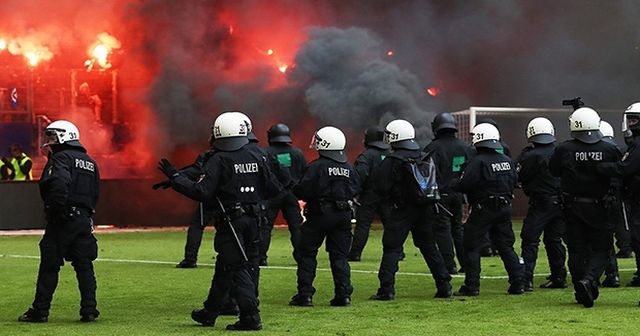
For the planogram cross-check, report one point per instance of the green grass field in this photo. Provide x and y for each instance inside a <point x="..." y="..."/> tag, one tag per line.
<point x="141" y="293"/>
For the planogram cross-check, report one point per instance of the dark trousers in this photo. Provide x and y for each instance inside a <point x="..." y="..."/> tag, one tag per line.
<point x="290" y="208"/>
<point x="365" y="214"/>
<point x="544" y="215"/>
<point x="633" y="216"/>
<point x="234" y="276"/>
<point x="589" y="240"/>
<point x="335" y="226"/>
<point x="73" y="241"/>
<point x="497" y="221"/>
<point x="200" y="219"/>
<point x="417" y="220"/>
<point x="448" y="231"/>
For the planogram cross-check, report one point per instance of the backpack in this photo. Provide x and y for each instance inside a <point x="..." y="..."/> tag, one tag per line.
<point x="419" y="179"/>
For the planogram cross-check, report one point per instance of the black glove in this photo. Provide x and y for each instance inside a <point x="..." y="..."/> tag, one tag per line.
<point x="5" y="160"/>
<point x="164" y="185"/>
<point x="167" y="168"/>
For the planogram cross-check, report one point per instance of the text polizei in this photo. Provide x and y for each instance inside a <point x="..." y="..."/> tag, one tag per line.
<point x="588" y="156"/>
<point x="246" y="168"/>
<point x="338" y="171"/>
<point x="500" y="166"/>
<point x="86" y="165"/>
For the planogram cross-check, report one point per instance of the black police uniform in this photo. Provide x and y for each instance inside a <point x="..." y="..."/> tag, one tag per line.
<point x="327" y="187"/>
<point x="407" y="215"/>
<point x="629" y="169"/>
<point x="589" y="233"/>
<point x="450" y="155"/>
<point x="240" y="180"/>
<point x="544" y="215"/>
<point x="489" y="180"/>
<point x="69" y="187"/>
<point x="367" y="164"/>
<point x="292" y="160"/>
<point x="202" y="215"/>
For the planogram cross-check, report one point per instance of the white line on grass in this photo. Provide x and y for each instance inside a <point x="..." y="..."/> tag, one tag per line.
<point x="158" y="262"/>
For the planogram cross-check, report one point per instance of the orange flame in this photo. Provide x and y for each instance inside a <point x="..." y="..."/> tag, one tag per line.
<point x="391" y="53"/>
<point x="100" y="51"/>
<point x="283" y="68"/>
<point x="32" y="58"/>
<point x="270" y="52"/>
<point x="3" y="44"/>
<point x="433" y="91"/>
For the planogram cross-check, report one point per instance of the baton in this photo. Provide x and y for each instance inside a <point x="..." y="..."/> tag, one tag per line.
<point x="235" y="235"/>
<point x="624" y="216"/>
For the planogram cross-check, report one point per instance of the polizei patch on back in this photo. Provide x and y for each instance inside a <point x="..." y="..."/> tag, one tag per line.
<point x="500" y="166"/>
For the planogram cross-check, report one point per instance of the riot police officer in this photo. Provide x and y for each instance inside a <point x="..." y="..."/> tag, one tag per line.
<point x="292" y="160"/>
<point x="408" y="214"/>
<point x="328" y="186"/>
<point x="589" y="233"/>
<point x="621" y="234"/>
<point x="450" y="155"/>
<point x="367" y="164"/>
<point x="544" y="213"/>
<point x="202" y="215"/>
<point x="629" y="169"/>
<point x="489" y="180"/>
<point x="238" y="180"/>
<point x="69" y="187"/>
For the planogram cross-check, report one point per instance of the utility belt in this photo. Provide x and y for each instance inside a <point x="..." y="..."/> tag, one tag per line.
<point x="493" y="202"/>
<point x="569" y="198"/>
<point x="238" y="210"/>
<point x="544" y="199"/>
<point x="323" y="206"/>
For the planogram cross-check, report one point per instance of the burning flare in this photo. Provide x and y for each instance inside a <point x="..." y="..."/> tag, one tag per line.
<point x="100" y="51"/>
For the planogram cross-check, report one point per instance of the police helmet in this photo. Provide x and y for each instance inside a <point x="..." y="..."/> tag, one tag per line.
<point x="607" y="132"/>
<point x="61" y="132"/>
<point x="540" y="130"/>
<point x="443" y="121"/>
<point x="330" y="142"/>
<point x="252" y="137"/>
<point x="486" y="135"/>
<point x="400" y="134"/>
<point x="279" y="133"/>
<point x="584" y="124"/>
<point x="230" y="131"/>
<point x="374" y="137"/>
<point x="631" y="118"/>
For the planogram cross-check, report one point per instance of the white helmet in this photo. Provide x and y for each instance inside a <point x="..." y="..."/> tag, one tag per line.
<point x="230" y="131"/>
<point x="486" y="135"/>
<point x="61" y="132"/>
<point x="540" y="130"/>
<point x="584" y="124"/>
<point x="247" y="121"/>
<point x="400" y="133"/>
<point x="631" y="118"/>
<point x="606" y="129"/>
<point x="330" y="142"/>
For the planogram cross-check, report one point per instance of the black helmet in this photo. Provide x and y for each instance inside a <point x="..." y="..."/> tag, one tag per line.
<point x="279" y="133"/>
<point x="443" y="120"/>
<point x="374" y="137"/>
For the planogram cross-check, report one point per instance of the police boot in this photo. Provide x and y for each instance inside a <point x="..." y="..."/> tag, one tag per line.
<point x="34" y="316"/>
<point x="444" y="290"/>
<point x="204" y="317"/>
<point x="467" y="291"/>
<point x="584" y="294"/>
<point x="554" y="283"/>
<point x="382" y="296"/>
<point x="89" y="315"/>
<point x="635" y="281"/>
<point x="340" y="301"/>
<point x="247" y="324"/>
<point x="528" y="287"/>
<point x="186" y="264"/>
<point x="301" y="301"/>
<point x="611" y="281"/>
<point x="516" y="288"/>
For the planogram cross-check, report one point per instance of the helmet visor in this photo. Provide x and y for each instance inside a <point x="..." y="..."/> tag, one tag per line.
<point x="50" y="137"/>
